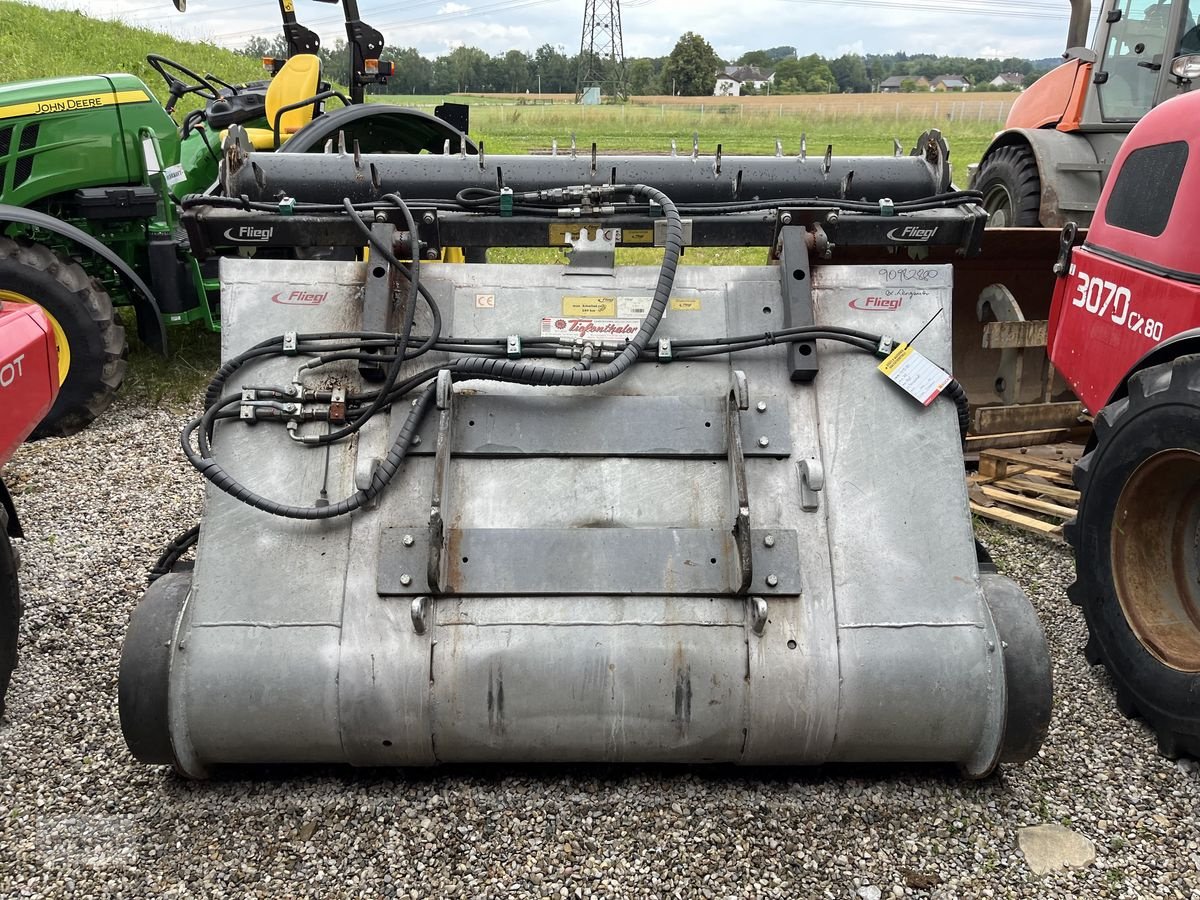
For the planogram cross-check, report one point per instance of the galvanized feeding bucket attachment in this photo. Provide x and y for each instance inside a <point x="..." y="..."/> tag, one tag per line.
<point x="583" y="512"/>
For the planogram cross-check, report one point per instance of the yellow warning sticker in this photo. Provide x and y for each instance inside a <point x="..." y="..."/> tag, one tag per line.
<point x="78" y="103"/>
<point x="685" y="304"/>
<point x="637" y="235"/>
<point x="595" y="307"/>
<point x="289" y="6"/>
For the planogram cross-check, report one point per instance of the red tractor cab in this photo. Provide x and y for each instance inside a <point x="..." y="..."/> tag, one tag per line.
<point x="29" y="382"/>
<point x="1135" y="283"/>
<point x="1125" y="333"/>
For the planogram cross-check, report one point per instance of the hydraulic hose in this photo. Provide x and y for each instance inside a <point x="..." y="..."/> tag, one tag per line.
<point x="487" y="358"/>
<point x="527" y="373"/>
<point x="461" y="369"/>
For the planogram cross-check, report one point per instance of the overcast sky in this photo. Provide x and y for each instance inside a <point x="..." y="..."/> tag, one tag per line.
<point x="992" y="28"/>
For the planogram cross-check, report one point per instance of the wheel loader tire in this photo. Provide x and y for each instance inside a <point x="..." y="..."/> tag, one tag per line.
<point x="1137" y="558"/>
<point x="91" y="343"/>
<point x="144" y="677"/>
<point x="10" y="610"/>
<point x="1011" y="187"/>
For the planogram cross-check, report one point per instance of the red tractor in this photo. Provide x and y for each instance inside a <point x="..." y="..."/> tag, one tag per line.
<point x="1125" y="332"/>
<point x="29" y="382"/>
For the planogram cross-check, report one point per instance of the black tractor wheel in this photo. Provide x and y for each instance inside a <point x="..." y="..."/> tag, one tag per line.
<point x="91" y="343"/>
<point x="1137" y="550"/>
<point x="1011" y="187"/>
<point x="10" y="609"/>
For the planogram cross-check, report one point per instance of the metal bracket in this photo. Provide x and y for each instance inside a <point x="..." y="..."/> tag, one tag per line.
<point x="796" y="285"/>
<point x="758" y="615"/>
<point x="660" y="232"/>
<point x="1066" y="240"/>
<point x="364" y="473"/>
<point x="998" y="301"/>
<point x="436" y="568"/>
<point x="592" y="255"/>
<point x="812" y="480"/>
<point x="511" y="562"/>
<point x="377" y="295"/>
<point x="419" y="609"/>
<point x="739" y="399"/>
<point x="337" y="405"/>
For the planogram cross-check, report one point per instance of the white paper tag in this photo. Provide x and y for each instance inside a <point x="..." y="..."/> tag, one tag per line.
<point x="174" y="174"/>
<point x="920" y="378"/>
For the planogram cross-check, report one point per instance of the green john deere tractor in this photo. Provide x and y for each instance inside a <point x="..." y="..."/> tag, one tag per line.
<point x="93" y="169"/>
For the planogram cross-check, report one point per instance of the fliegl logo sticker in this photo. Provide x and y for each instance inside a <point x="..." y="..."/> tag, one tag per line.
<point x="249" y="234"/>
<point x="877" y="304"/>
<point x="912" y="234"/>
<point x="299" y="298"/>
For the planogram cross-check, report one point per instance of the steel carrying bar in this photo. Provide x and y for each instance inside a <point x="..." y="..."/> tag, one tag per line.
<point x="211" y="229"/>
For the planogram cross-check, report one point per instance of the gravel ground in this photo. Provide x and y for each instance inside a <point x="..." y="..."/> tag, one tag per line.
<point x="78" y="817"/>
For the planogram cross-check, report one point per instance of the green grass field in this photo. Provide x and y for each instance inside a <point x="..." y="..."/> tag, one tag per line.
<point x="508" y="127"/>
<point x="43" y="43"/>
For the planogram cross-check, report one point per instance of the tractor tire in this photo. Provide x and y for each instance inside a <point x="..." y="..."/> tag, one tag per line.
<point x="1012" y="188"/>
<point x="10" y="610"/>
<point x="1137" y="551"/>
<point x="91" y="342"/>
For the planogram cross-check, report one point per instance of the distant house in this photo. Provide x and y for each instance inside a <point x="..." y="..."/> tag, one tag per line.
<point x="1008" y="80"/>
<point x="895" y="84"/>
<point x="949" y="83"/>
<point x="732" y="79"/>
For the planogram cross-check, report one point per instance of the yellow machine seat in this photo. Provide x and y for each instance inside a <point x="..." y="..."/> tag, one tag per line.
<point x="296" y="81"/>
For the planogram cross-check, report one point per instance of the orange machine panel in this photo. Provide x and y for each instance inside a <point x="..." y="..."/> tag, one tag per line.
<point x="1055" y="100"/>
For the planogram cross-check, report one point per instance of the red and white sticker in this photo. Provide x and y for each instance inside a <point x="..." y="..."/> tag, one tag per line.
<point x="589" y="328"/>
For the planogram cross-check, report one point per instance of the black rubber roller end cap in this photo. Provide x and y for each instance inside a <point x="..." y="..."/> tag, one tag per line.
<point x="143" y="682"/>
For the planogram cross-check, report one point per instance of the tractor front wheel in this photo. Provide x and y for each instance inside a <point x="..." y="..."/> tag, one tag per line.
<point x="1137" y="550"/>
<point x="90" y="342"/>
<point x="1011" y="187"/>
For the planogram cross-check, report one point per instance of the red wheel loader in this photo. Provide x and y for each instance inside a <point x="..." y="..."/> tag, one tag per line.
<point x="1125" y="332"/>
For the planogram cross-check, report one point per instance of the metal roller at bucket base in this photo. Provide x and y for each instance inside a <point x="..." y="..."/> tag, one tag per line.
<point x="605" y="513"/>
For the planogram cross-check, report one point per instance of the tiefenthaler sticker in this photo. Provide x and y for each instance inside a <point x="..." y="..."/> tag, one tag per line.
<point x="588" y="328"/>
<point x="919" y="377"/>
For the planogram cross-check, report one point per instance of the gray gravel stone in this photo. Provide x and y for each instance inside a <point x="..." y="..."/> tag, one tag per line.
<point x="79" y="818"/>
<point x="1050" y="847"/>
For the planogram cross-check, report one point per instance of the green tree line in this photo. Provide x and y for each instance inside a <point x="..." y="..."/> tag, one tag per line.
<point x="690" y="70"/>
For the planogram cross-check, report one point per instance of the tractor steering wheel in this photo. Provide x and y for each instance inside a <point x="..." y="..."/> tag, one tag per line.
<point x="199" y="84"/>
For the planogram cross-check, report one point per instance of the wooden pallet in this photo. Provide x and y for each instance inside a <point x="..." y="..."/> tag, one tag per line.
<point x="1031" y="488"/>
